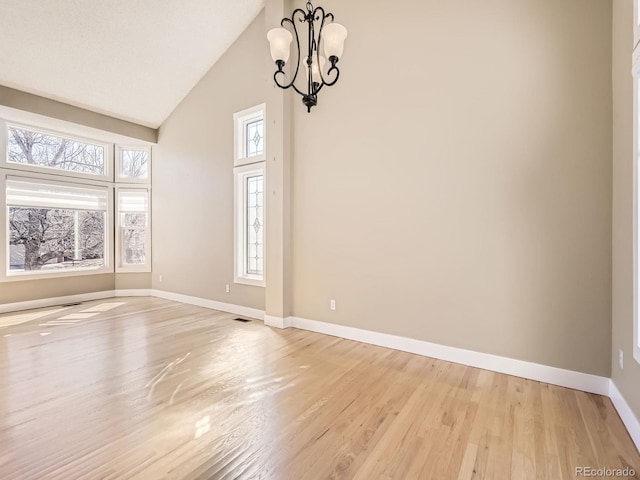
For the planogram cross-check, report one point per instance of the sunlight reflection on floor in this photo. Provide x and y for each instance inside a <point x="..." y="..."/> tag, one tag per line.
<point x="26" y="317"/>
<point x="103" y="307"/>
<point x="79" y="316"/>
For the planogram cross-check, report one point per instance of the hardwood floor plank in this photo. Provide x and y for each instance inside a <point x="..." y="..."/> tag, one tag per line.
<point x="145" y="388"/>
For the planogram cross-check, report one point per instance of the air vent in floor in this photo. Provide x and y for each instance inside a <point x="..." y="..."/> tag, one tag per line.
<point x="243" y="320"/>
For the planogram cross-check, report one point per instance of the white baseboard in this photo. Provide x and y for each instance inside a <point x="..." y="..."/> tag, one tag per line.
<point x="85" y="297"/>
<point x="213" y="304"/>
<point x="54" y="301"/>
<point x="134" y="292"/>
<point x="510" y="366"/>
<point x="626" y="414"/>
<point x="277" y="322"/>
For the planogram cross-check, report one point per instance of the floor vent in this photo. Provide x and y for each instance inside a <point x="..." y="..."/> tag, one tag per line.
<point x="72" y="304"/>
<point x="243" y="320"/>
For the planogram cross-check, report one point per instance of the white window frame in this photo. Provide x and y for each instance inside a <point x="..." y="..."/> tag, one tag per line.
<point x="240" y="122"/>
<point x="6" y="276"/>
<point x="241" y="174"/>
<point x="119" y="167"/>
<point x="636" y="220"/>
<point x="5" y="163"/>
<point x="121" y="267"/>
<point x="111" y="180"/>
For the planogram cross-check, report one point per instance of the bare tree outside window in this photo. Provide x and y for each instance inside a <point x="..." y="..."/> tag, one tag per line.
<point x="59" y="235"/>
<point x="134" y="241"/>
<point x="40" y="149"/>
<point x="45" y="238"/>
<point x="135" y="163"/>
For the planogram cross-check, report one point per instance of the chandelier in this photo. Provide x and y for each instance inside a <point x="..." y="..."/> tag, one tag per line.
<point x="329" y="35"/>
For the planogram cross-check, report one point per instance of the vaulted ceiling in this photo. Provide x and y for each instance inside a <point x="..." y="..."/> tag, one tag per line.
<point x="131" y="59"/>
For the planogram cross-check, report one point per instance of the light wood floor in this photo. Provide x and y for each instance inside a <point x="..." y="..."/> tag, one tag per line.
<point x="150" y="389"/>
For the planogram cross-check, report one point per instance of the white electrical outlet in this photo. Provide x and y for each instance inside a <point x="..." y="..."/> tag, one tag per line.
<point x="160" y="278"/>
<point x="332" y="305"/>
<point x="226" y="288"/>
<point x="621" y="359"/>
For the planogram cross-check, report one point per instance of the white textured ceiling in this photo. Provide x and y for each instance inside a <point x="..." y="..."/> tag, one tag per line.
<point x="131" y="59"/>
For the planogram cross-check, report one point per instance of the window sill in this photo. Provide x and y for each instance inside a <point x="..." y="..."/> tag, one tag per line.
<point x="241" y="162"/>
<point x="140" y="269"/>
<point x="254" y="282"/>
<point x="25" y="276"/>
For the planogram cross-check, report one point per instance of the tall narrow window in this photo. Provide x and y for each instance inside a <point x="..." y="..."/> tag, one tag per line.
<point x="134" y="242"/>
<point x="55" y="226"/>
<point x="249" y="206"/>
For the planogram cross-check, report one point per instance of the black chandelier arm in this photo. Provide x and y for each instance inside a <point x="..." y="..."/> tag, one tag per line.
<point x="296" y="11"/>
<point x="291" y="84"/>
<point x="280" y="68"/>
<point x="320" y="18"/>
<point x="323" y="18"/>
<point x="333" y="68"/>
<point x="284" y="86"/>
<point x="324" y="15"/>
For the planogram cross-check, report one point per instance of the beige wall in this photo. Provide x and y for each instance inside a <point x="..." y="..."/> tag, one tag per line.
<point x="193" y="179"/>
<point x="455" y="185"/>
<point x="27" y="102"/>
<point x="22" y="291"/>
<point x="626" y="380"/>
<point x="26" y="290"/>
<point x="126" y="281"/>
